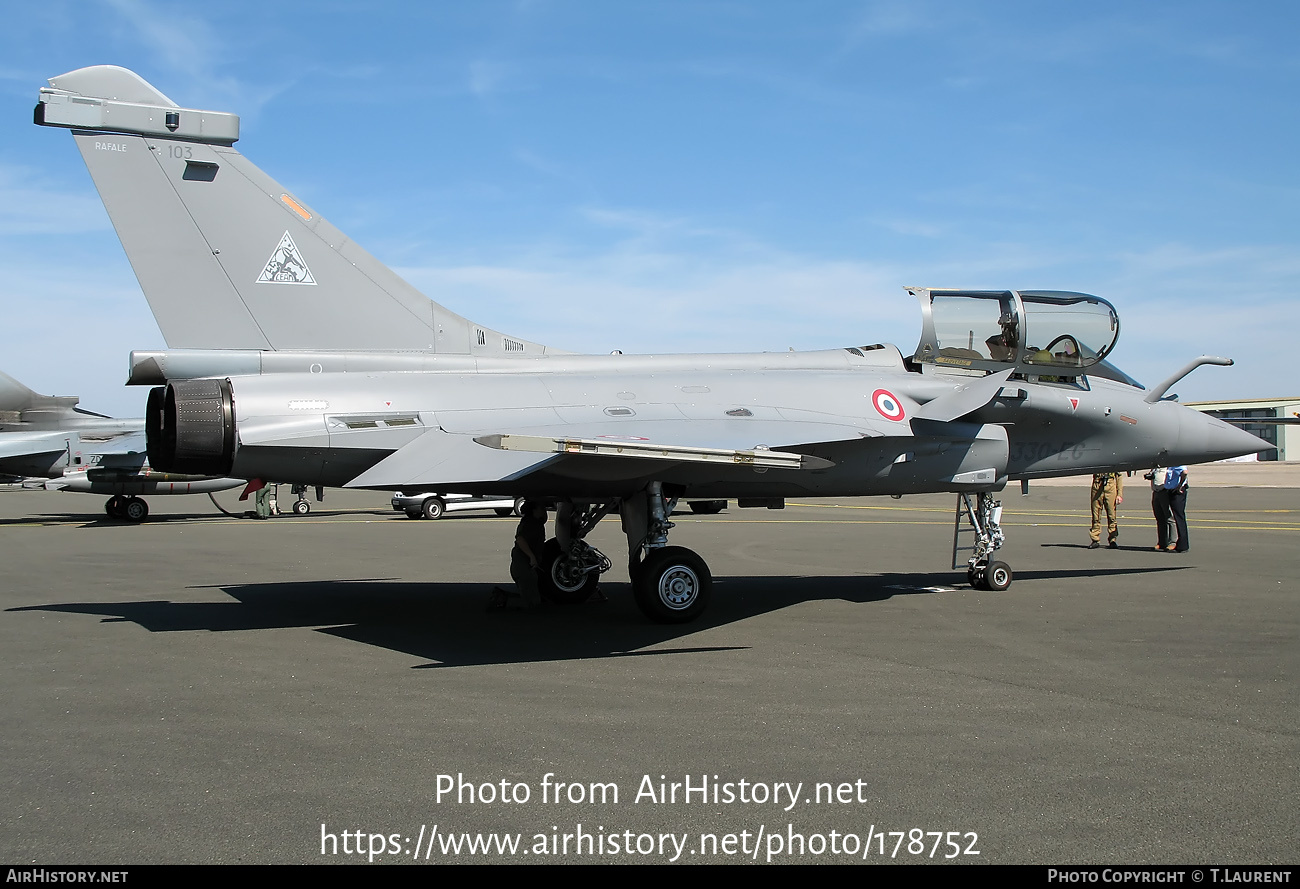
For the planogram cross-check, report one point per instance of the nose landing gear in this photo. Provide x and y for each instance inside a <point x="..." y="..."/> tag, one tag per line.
<point x="982" y="520"/>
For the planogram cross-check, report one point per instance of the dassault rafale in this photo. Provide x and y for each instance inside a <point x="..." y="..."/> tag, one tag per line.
<point x="50" y="442"/>
<point x="295" y="356"/>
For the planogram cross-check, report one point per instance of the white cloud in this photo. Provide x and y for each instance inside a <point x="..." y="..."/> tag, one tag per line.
<point x="189" y="46"/>
<point x="182" y="41"/>
<point x="891" y="18"/>
<point x="1177" y="302"/>
<point x="915" y="227"/>
<point x="662" y="302"/>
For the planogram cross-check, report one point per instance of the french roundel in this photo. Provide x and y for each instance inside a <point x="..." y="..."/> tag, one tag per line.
<point x="887" y="404"/>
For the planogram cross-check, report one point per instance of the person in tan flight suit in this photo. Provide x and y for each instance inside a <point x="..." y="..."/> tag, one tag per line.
<point x="1107" y="494"/>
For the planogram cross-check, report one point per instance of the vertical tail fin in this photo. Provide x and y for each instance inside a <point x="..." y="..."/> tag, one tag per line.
<point x="15" y="397"/>
<point x="227" y="257"/>
<point x="24" y="410"/>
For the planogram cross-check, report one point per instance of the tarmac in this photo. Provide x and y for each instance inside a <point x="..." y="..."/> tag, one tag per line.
<point x="207" y="689"/>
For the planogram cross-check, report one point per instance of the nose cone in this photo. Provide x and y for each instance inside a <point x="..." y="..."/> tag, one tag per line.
<point x="1202" y="439"/>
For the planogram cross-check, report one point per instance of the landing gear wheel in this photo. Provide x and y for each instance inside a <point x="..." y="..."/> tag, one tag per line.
<point x="301" y="507"/>
<point x="519" y="507"/>
<point x="504" y="512"/>
<point x="975" y="577"/>
<point x="563" y="581"/>
<point x="672" y="585"/>
<point x="135" y="509"/>
<point x="432" y="508"/>
<point x="114" y="507"/>
<point x="997" y="576"/>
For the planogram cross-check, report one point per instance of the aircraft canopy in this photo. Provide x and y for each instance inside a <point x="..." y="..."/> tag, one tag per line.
<point x="1052" y="332"/>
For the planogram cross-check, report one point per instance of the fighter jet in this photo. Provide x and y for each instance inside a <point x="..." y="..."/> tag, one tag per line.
<point x="54" y="444"/>
<point x="295" y="356"/>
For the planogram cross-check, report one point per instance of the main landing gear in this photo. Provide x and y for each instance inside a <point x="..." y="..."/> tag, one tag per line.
<point x="571" y="567"/>
<point x="671" y="584"/>
<point x="126" y="508"/>
<point x="981" y="520"/>
<point x="301" y="506"/>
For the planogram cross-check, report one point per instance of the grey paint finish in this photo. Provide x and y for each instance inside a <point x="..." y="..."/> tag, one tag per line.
<point x="188" y="290"/>
<point x="153" y="368"/>
<point x="111" y="82"/>
<point x="1051" y="431"/>
<point x="209" y="239"/>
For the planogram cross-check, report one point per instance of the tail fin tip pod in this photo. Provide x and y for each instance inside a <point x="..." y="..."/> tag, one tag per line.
<point x="110" y="82"/>
<point x="226" y="256"/>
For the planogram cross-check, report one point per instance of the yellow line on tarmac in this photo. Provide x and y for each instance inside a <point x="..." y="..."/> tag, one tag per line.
<point x="1233" y="522"/>
<point x="1009" y="508"/>
<point x="885" y="507"/>
<point x="1253" y="511"/>
<point x="1011" y="515"/>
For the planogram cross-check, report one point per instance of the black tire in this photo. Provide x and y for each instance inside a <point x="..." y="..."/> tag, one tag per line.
<point x="433" y="508"/>
<point x="561" y="585"/>
<point x="301" y="507"/>
<point x="519" y="507"/>
<point x="707" y="507"/>
<point x="975" y="577"/>
<point x="997" y="576"/>
<point x="135" y="510"/>
<point x="504" y="512"/>
<point x="672" y="585"/>
<point x="114" y="507"/>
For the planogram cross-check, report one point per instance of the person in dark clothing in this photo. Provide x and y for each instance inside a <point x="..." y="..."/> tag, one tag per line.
<point x="1176" y="485"/>
<point x="1166" y="530"/>
<point x="525" y="559"/>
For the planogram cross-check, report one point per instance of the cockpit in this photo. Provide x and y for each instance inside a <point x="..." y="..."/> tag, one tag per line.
<point x="1051" y="335"/>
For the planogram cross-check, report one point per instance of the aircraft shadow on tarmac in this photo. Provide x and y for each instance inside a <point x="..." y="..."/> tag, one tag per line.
<point x="445" y="623"/>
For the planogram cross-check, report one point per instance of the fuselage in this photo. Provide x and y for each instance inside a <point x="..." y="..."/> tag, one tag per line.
<point x="861" y="410"/>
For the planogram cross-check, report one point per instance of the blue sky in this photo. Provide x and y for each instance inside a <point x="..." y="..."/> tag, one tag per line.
<point x="707" y="176"/>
